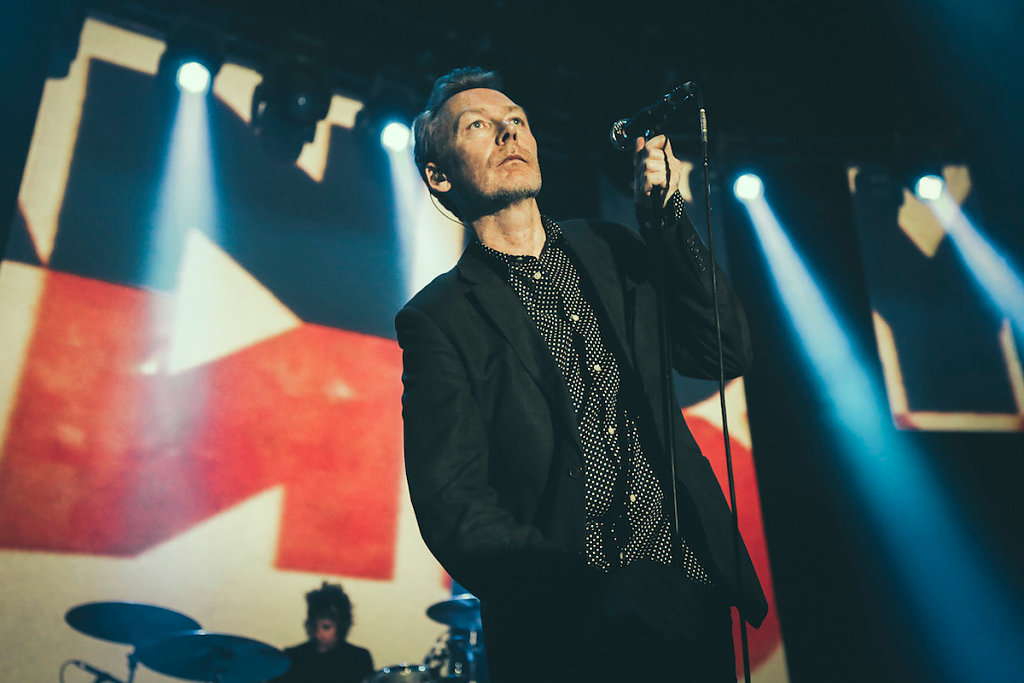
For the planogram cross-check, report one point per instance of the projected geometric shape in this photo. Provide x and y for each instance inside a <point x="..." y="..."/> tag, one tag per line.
<point x="948" y="357"/>
<point x="60" y="111"/>
<point x="920" y="224"/>
<point x="931" y="420"/>
<point x="313" y="157"/>
<point x="221" y="308"/>
<point x="106" y="460"/>
<point x="704" y="420"/>
<point x="918" y="221"/>
<point x="234" y="85"/>
<point x="21" y="287"/>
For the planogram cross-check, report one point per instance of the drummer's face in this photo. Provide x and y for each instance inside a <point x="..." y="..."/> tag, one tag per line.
<point x="325" y="633"/>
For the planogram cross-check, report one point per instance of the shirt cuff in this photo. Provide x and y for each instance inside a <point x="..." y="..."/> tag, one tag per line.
<point x="673" y="212"/>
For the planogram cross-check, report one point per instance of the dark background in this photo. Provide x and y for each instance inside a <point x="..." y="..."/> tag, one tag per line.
<point x="802" y="87"/>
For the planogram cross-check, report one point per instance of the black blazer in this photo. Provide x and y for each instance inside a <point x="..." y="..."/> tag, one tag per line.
<point x="493" y="457"/>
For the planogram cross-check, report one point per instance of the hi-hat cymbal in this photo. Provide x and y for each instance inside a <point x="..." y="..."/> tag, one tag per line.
<point x="203" y="656"/>
<point x="127" y="622"/>
<point x="461" y="611"/>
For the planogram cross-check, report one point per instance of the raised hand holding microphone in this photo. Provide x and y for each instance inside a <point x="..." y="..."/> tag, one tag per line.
<point x="656" y="172"/>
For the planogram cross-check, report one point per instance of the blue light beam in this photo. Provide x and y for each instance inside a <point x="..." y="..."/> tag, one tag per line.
<point x="992" y="271"/>
<point x="959" y="602"/>
<point x="187" y="197"/>
<point x="430" y="242"/>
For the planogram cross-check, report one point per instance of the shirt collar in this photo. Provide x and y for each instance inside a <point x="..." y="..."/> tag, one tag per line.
<point x="552" y="239"/>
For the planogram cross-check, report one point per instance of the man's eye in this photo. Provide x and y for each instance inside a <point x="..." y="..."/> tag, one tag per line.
<point x="477" y="124"/>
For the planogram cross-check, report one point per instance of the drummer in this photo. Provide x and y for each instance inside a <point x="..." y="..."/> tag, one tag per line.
<point x="326" y="657"/>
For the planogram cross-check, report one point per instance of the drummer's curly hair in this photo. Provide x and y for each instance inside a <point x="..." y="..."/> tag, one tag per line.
<point x="328" y="602"/>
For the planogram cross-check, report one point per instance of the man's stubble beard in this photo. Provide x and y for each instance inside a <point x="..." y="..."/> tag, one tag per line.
<point x="505" y="197"/>
<point x="509" y="196"/>
<point x="486" y="202"/>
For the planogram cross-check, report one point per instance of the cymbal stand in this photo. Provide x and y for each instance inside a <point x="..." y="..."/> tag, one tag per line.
<point x="133" y="662"/>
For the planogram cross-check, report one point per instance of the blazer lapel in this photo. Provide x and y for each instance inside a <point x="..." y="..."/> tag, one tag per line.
<point x="496" y="300"/>
<point x="595" y="260"/>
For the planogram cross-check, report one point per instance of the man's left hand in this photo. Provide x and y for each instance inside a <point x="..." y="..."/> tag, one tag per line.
<point x="655" y="167"/>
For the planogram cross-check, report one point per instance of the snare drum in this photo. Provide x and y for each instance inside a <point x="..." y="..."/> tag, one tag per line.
<point x="401" y="673"/>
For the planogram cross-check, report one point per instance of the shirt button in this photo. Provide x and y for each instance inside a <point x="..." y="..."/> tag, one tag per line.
<point x="611" y="430"/>
<point x="537" y="275"/>
<point x="632" y="498"/>
<point x="575" y="471"/>
<point x="575" y="318"/>
<point x="597" y="367"/>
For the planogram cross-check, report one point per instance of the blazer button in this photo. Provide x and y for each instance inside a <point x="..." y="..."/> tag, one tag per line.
<point x="575" y="471"/>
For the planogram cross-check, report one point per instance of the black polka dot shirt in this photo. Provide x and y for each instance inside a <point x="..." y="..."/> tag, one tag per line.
<point x="625" y="505"/>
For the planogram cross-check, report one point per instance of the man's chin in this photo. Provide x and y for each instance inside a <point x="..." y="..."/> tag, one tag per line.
<point x="498" y="200"/>
<point x="510" y="196"/>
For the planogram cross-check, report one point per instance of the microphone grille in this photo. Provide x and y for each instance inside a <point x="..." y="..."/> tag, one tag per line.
<point x="617" y="134"/>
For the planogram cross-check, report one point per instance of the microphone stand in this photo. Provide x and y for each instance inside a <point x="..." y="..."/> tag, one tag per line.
<point x="736" y="542"/>
<point x="665" y="353"/>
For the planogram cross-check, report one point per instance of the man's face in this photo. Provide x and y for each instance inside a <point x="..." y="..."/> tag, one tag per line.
<point x="492" y="154"/>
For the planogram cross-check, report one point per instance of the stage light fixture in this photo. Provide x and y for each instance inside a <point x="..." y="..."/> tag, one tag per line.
<point x="396" y="136"/>
<point x="929" y="187"/>
<point x="192" y="58"/>
<point x="748" y="187"/>
<point x="193" y="77"/>
<point x="387" y="111"/>
<point x="293" y="97"/>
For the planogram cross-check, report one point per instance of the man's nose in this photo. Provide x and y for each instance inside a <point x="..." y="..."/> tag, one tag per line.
<point x="508" y="130"/>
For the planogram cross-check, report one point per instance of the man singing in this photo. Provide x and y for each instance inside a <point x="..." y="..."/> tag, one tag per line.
<point x="533" y="428"/>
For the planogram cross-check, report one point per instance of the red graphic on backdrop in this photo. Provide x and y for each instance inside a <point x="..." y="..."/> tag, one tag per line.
<point x="764" y="641"/>
<point x="105" y="458"/>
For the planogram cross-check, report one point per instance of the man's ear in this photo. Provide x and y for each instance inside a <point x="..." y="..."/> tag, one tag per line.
<point x="437" y="179"/>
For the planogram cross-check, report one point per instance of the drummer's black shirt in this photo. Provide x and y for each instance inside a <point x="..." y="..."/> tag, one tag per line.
<point x="345" y="663"/>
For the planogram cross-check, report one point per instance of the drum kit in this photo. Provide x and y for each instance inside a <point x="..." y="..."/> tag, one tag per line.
<point x="458" y="654"/>
<point x="174" y="644"/>
<point x="171" y="643"/>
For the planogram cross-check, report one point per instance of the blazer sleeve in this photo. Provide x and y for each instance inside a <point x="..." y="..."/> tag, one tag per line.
<point x="690" y="304"/>
<point x="459" y="512"/>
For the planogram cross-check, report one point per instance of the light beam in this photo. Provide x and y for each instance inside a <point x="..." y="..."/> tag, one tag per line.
<point x="992" y="271"/>
<point x="959" y="601"/>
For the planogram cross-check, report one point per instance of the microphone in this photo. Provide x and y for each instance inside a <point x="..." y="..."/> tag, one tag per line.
<point x="649" y="119"/>
<point x="100" y="675"/>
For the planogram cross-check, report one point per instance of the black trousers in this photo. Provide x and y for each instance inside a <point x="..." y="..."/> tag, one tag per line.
<point x="545" y="647"/>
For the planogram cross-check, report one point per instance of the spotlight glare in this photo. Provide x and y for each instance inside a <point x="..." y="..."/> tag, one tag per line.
<point x="193" y="77"/>
<point x="395" y="136"/>
<point x="748" y="187"/>
<point x="930" y="187"/>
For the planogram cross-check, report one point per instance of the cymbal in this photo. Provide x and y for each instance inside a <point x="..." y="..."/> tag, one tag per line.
<point x="461" y="611"/>
<point x="202" y="656"/>
<point x="127" y="622"/>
